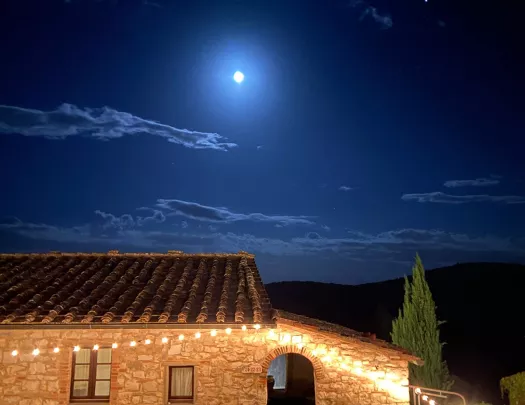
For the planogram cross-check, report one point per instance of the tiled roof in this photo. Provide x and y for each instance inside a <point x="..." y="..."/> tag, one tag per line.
<point x="341" y="331"/>
<point x="122" y="288"/>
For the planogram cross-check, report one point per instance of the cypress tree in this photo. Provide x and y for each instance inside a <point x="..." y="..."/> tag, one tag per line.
<point x="417" y="330"/>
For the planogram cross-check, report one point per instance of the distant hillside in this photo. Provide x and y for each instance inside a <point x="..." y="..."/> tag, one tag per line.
<point x="483" y="305"/>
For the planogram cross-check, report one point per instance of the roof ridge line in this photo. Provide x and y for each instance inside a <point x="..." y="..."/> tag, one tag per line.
<point x="171" y="253"/>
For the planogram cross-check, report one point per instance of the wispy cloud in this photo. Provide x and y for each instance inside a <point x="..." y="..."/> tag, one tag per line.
<point x="345" y="188"/>
<point x="101" y="123"/>
<point x="126" y="221"/>
<point x="199" y="212"/>
<point x="442" y="198"/>
<point x="481" y="182"/>
<point x="383" y="19"/>
<point x="396" y="246"/>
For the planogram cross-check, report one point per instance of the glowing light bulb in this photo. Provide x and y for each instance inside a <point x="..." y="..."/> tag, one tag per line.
<point x="244" y="327"/>
<point x="36" y="352"/>
<point x="14" y="353"/>
<point x="133" y="343"/>
<point x="257" y="326"/>
<point x="358" y="371"/>
<point x="114" y="345"/>
<point x="197" y="335"/>
<point x="96" y="347"/>
<point x="56" y="350"/>
<point x="418" y="391"/>
<point x="228" y="331"/>
<point x="181" y="337"/>
<point x="164" y="340"/>
<point x="432" y="402"/>
<point x="314" y="352"/>
<point x="147" y="341"/>
<point x="76" y="348"/>
<point x="213" y="332"/>
<point x="425" y="397"/>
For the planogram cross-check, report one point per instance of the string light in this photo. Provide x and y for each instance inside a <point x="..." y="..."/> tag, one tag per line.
<point x="244" y="328"/>
<point x="14" y="353"/>
<point x="228" y="331"/>
<point x="300" y="346"/>
<point x="257" y="326"/>
<point x="114" y="345"/>
<point x="181" y="337"/>
<point x="56" y="350"/>
<point x="425" y="397"/>
<point x="197" y="335"/>
<point x="164" y="340"/>
<point x="36" y="352"/>
<point x="96" y="347"/>
<point x="76" y="348"/>
<point x="133" y="343"/>
<point x="432" y="402"/>
<point x="213" y="332"/>
<point x="418" y="391"/>
<point x="147" y="341"/>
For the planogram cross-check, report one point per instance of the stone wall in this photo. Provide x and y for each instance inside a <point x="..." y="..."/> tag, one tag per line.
<point x="346" y="372"/>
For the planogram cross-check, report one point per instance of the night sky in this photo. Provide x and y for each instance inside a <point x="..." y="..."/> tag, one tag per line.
<point x="364" y="132"/>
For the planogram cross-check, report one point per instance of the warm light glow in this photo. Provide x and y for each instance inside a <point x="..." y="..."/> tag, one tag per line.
<point x="358" y="363"/>
<point x="432" y="402"/>
<point x="358" y="371"/>
<point x="197" y="335"/>
<point x="405" y="383"/>
<point x="181" y="337"/>
<point x="271" y="334"/>
<point x="425" y="397"/>
<point x="213" y="332"/>
<point x="257" y="326"/>
<point x="96" y="347"/>
<point x="300" y="346"/>
<point x="147" y="341"/>
<point x="228" y="331"/>
<point x="14" y="353"/>
<point x="238" y="77"/>
<point x="297" y="339"/>
<point x="286" y="338"/>
<point x="326" y="359"/>
<point x="418" y="391"/>
<point x="133" y="343"/>
<point x="344" y="366"/>
<point x="56" y="350"/>
<point x="36" y="352"/>
<point x="76" y="348"/>
<point x="114" y="345"/>
<point x="314" y="352"/>
<point x="243" y="327"/>
<point x="164" y="340"/>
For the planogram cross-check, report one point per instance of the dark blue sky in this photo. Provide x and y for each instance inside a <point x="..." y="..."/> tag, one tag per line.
<point x="365" y="131"/>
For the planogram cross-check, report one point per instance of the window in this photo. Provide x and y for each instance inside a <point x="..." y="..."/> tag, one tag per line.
<point x="277" y="369"/>
<point x="181" y="383"/>
<point x="91" y="374"/>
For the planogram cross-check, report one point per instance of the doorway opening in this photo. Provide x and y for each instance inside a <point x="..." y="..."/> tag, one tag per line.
<point x="293" y="380"/>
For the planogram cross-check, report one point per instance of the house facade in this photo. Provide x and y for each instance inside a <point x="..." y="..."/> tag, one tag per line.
<point x="171" y="328"/>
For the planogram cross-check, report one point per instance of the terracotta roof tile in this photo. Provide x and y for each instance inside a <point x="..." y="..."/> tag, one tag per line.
<point x="72" y="288"/>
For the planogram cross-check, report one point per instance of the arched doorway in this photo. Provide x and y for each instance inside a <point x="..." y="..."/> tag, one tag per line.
<point x="294" y="371"/>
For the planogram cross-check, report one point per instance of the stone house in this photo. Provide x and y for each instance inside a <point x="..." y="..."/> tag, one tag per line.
<point x="173" y="328"/>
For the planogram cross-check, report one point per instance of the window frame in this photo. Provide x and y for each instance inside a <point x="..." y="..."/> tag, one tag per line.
<point x="173" y="398"/>
<point x="92" y="377"/>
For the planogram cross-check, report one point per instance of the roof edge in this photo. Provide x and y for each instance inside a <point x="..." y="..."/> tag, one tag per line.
<point x="345" y="333"/>
<point x="178" y="253"/>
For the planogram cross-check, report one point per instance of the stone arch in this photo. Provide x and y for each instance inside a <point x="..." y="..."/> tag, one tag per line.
<point x="317" y="366"/>
<point x="286" y="349"/>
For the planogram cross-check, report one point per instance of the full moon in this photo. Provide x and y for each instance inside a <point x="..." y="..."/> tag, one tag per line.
<point x="238" y="77"/>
